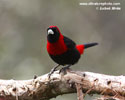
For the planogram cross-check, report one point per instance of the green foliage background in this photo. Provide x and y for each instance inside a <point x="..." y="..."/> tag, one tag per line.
<point x="23" y="25"/>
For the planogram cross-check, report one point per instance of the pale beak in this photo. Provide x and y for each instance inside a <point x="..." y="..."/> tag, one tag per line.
<point x="50" y="32"/>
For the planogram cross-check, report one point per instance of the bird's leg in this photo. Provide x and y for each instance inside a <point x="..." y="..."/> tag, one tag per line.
<point x="64" y="69"/>
<point x="53" y="70"/>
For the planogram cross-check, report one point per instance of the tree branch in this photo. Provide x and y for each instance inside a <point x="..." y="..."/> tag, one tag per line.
<point x="42" y="88"/>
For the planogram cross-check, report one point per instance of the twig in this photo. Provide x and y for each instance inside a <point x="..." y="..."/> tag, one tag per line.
<point x="79" y="91"/>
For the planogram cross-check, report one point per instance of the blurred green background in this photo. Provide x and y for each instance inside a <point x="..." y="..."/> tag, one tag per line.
<point x="23" y="25"/>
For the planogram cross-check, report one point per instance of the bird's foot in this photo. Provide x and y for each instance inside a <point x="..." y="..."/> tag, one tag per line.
<point x="52" y="71"/>
<point x="64" y="69"/>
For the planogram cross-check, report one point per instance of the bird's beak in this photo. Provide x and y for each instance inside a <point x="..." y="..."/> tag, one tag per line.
<point x="50" y="32"/>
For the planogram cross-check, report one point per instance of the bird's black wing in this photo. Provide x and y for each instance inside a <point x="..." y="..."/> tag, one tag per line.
<point x="69" y="43"/>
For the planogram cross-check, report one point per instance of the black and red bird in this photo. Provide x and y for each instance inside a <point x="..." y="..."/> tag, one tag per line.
<point x="63" y="50"/>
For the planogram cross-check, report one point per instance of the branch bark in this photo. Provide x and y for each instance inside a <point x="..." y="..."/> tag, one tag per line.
<point x="42" y="88"/>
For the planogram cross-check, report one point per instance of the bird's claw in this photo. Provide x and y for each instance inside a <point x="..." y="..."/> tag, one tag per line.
<point x="52" y="71"/>
<point x="49" y="75"/>
<point x="64" y="69"/>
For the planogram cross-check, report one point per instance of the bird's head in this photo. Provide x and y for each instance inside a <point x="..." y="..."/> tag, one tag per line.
<point x="53" y="34"/>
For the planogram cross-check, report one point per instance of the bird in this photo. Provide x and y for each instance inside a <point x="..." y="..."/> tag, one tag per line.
<point x="63" y="50"/>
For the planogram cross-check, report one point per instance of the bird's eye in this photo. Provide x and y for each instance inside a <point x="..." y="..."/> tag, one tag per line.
<point x="50" y="32"/>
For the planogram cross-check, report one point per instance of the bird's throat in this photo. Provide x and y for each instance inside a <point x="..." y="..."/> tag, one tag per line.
<point x="58" y="47"/>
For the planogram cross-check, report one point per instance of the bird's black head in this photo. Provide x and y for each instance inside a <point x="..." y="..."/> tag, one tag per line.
<point x="53" y="34"/>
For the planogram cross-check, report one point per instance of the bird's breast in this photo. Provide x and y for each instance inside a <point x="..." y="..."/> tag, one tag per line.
<point x="56" y="48"/>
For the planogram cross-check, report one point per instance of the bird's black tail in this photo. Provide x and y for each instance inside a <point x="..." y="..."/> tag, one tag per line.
<point x="87" y="45"/>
